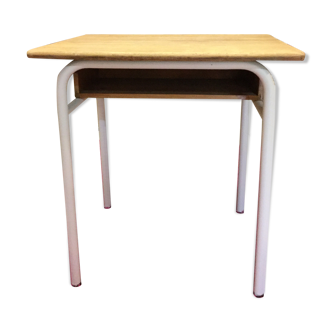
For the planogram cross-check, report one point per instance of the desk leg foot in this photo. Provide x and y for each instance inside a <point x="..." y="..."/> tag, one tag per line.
<point x="259" y="297"/>
<point x="79" y="286"/>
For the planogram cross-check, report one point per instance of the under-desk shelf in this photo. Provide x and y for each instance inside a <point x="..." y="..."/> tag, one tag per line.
<point x="166" y="83"/>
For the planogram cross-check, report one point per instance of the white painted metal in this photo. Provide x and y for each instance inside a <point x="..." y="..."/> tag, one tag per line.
<point x="243" y="154"/>
<point x="74" y="104"/>
<point x="68" y="179"/>
<point x="268" y="128"/>
<point x="258" y="104"/>
<point x="104" y="152"/>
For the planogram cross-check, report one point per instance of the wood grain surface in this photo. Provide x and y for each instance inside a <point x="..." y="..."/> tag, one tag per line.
<point x="170" y="48"/>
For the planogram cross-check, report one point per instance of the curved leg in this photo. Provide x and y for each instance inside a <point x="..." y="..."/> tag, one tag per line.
<point x="104" y="152"/>
<point x="243" y="153"/>
<point x="265" y="185"/>
<point x="68" y="180"/>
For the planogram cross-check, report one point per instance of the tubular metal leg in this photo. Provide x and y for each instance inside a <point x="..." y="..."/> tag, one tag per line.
<point x="243" y="153"/>
<point x="68" y="180"/>
<point x="259" y="157"/>
<point x="265" y="186"/>
<point x="104" y="152"/>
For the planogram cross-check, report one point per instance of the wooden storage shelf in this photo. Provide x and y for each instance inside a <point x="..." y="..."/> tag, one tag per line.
<point x="166" y="83"/>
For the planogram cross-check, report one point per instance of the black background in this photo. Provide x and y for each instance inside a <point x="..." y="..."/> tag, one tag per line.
<point x="174" y="167"/>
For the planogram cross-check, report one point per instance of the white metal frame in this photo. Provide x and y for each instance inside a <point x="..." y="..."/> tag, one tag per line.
<point x="243" y="154"/>
<point x="267" y="113"/>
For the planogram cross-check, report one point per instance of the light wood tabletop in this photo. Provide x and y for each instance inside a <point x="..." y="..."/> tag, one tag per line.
<point x="170" y="48"/>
